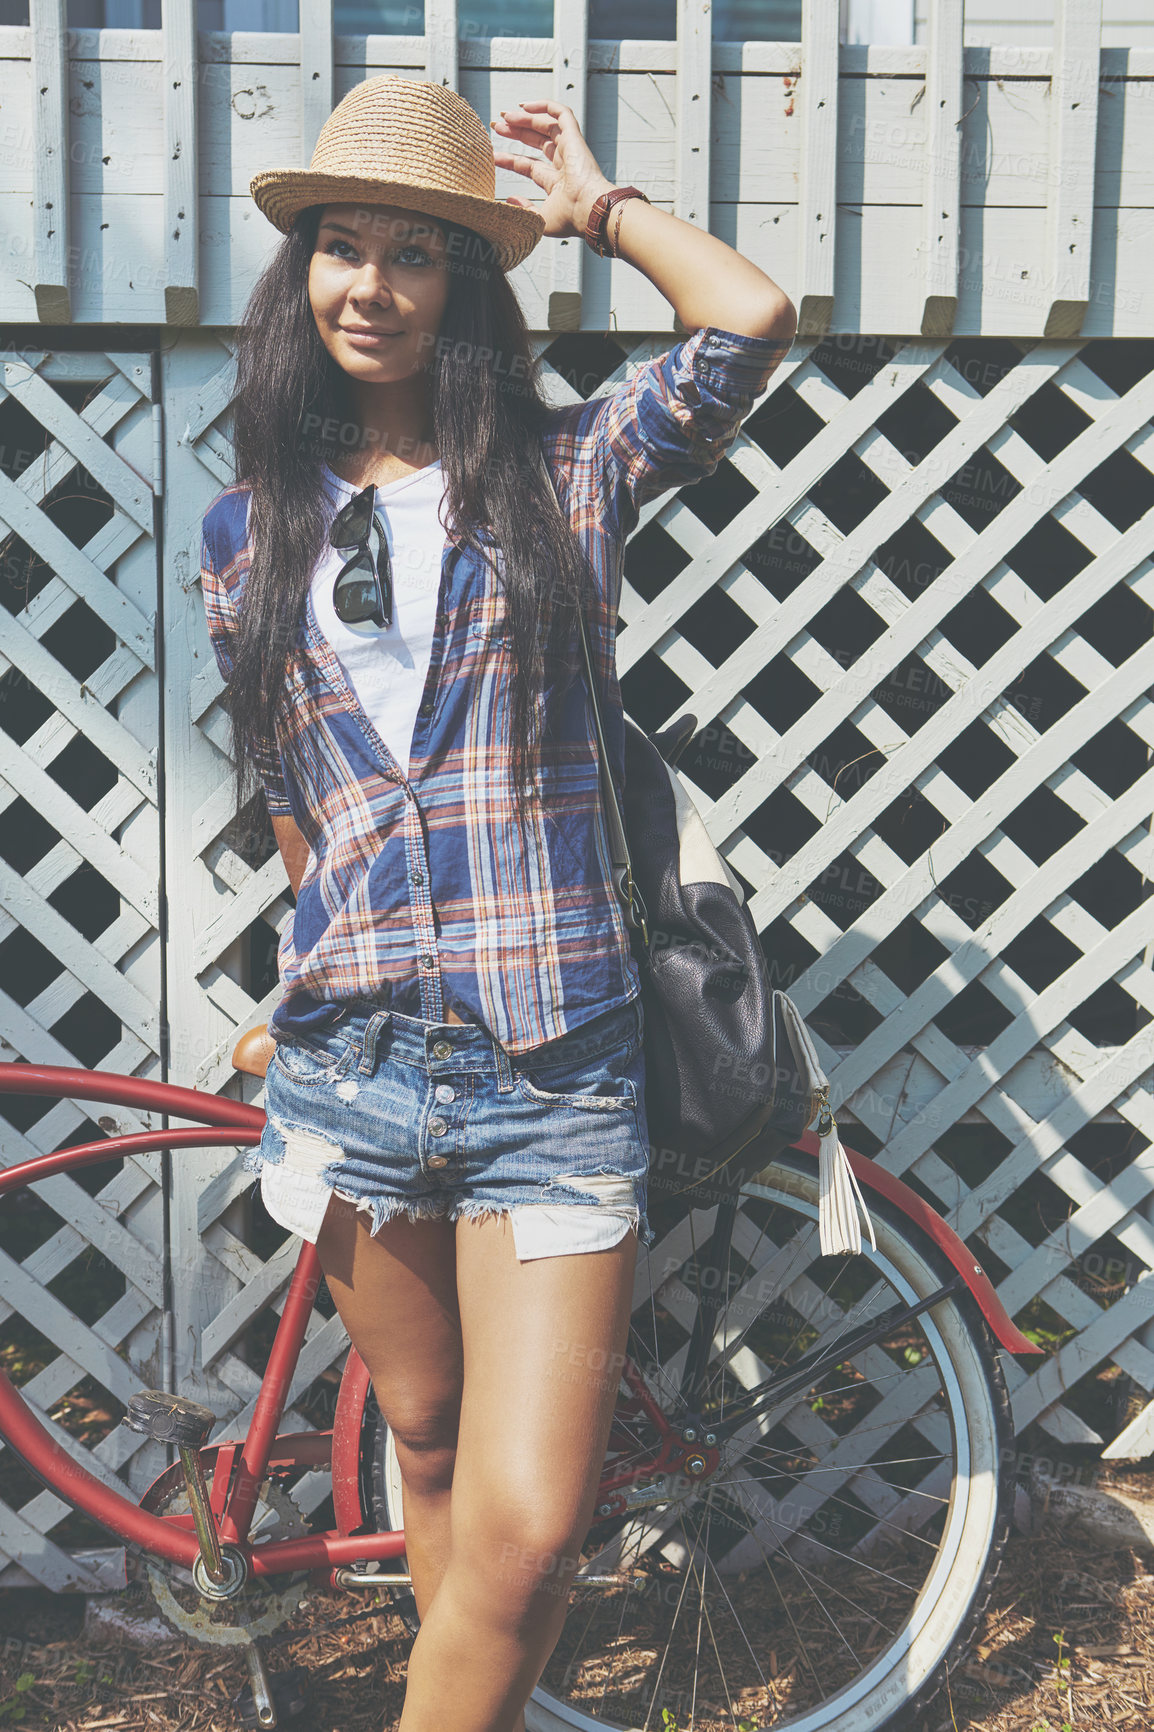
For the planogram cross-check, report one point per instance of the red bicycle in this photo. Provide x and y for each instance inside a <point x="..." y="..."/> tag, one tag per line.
<point x="805" y="1496"/>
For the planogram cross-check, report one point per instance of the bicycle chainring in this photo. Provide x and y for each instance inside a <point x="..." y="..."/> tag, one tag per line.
<point x="261" y="1607"/>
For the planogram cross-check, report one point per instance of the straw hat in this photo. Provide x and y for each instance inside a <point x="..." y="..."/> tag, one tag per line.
<point x="406" y="142"/>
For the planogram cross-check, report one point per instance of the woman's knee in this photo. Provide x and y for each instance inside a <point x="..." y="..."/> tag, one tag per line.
<point x="425" y="1438"/>
<point x="526" y="1550"/>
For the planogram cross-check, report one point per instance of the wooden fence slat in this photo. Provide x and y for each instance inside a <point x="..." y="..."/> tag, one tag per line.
<point x="915" y="887"/>
<point x="50" y="1565"/>
<point x="80" y="436"/>
<point x="1073" y="146"/>
<point x="66" y="1330"/>
<point x="903" y="638"/>
<point x="318" y="93"/>
<point x="790" y="487"/>
<point x="693" y="96"/>
<point x="62" y="939"/>
<point x="1135" y="1440"/>
<point x="943" y="100"/>
<point x="87" y="839"/>
<point x="20" y="649"/>
<point x="48" y="41"/>
<point x="1046" y="1138"/>
<point x="1083" y="977"/>
<point x="570" y="73"/>
<point x="117" y="611"/>
<point x="181" y="86"/>
<point x="1099" y="1215"/>
<point x="817" y="180"/>
<point x="66" y="1244"/>
<point x="441" y="42"/>
<point x="1063" y="1368"/>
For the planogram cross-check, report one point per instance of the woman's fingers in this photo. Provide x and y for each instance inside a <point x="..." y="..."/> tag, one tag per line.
<point x="523" y="165"/>
<point x="540" y="115"/>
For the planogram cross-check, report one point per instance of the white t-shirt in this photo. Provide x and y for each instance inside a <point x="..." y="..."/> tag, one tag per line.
<point x="387" y="669"/>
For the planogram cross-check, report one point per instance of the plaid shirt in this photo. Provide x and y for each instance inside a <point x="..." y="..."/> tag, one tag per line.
<point x="420" y="892"/>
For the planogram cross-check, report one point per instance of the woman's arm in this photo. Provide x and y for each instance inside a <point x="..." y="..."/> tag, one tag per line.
<point x="707" y="282"/>
<point x="294" y="850"/>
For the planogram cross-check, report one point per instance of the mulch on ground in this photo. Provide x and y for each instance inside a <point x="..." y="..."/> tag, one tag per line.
<point x="1067" y="1641"/>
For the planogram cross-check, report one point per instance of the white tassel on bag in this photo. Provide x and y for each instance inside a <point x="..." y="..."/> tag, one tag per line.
<point x="839" y="1195"/>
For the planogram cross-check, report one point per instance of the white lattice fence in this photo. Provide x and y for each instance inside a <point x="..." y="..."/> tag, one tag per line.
<point x="1012" y="683"/>
<point x="984" y="660"/>
<point x="79" y="906"/>
<point x="911" y="613"/>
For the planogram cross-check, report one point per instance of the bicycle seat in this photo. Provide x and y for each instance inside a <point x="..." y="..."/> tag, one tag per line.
<point x="253" y="1051"/>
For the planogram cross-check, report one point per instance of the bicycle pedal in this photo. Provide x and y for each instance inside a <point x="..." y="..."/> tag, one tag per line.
<point x="169" y="1418"/>
<point x="287" y="1695"/>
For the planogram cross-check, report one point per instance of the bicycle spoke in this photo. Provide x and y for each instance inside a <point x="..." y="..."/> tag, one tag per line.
<point x="833" y="1497"/>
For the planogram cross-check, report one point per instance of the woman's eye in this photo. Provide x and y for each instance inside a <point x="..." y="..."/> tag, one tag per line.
<point x="411" y="248"/>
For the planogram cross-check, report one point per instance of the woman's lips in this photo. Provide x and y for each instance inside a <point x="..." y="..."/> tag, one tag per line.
<point x="366" y="340"/>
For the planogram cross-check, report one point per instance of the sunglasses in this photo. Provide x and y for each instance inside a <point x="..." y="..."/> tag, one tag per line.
<point x="363" y="589"/>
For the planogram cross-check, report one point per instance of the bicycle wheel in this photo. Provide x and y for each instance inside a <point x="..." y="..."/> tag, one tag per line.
<point x="834" y="1558"/>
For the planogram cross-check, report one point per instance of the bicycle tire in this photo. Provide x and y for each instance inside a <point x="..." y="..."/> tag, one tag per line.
<point x="946" y="1613"/>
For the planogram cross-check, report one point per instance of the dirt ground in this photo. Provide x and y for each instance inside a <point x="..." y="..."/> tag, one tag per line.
<point x="1067" y="1642"/>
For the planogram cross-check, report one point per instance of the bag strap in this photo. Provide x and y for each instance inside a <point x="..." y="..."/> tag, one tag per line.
<point x="628" y="893"/>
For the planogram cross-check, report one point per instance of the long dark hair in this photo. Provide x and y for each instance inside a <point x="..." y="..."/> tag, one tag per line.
<point x="488" y="412"/>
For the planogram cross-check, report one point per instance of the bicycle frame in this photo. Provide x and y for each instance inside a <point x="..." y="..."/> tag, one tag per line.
<point x="241" y="1465"/>
<point x="245" y="1464"/>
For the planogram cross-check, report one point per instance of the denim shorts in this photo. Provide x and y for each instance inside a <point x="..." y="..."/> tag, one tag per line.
<point x="436" y="1119"/>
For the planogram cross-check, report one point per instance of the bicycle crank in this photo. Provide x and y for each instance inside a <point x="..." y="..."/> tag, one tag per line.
<point x="260" y="1606"/>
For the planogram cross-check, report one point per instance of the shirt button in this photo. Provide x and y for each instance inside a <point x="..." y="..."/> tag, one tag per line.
<point x="442" y="1049"/>
<point x="426" y="709"/>
<point x="418" y="876"/>
<point x="427" y="961"/>
<point x="445" y="1093"/>
<point x="438" y="1127"/>
<point x="438" y="1160"/>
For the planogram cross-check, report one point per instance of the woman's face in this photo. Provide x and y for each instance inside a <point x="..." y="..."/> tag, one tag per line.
<point x="378" y="268"/>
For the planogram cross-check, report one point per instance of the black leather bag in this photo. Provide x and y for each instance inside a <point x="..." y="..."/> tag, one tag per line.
<point x="731" y="1071"/>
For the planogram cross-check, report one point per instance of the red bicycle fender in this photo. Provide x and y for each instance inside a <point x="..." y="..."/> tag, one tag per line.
<point x="346" y="1459"/>
<point x="887" y="1185"/>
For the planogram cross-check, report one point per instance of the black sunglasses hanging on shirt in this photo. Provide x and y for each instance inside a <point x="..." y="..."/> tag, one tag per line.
<point x="363" y="589"/>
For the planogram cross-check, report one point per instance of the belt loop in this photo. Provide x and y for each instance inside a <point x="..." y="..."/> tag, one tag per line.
<point x="504" y="1068"/>
<point x="375" y="1026"/>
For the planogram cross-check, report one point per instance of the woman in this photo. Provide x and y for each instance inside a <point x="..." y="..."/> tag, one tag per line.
<point x="456" y="1101"/>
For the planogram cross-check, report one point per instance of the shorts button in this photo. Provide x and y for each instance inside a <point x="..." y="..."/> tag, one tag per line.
<point x="438" y="1127"/>
<point x="442" y="1050"/>
<point x="445" y="1093"/>
<point x="438" y="1160"/>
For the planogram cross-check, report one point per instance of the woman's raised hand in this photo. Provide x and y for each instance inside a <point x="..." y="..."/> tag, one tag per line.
<point x="567" y="170"/>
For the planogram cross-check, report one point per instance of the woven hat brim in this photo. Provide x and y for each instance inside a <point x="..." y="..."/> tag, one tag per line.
<point x="280" y="194"/>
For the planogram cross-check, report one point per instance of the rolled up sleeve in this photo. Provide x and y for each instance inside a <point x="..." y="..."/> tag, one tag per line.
<point x="221" y="620"/>
<point x="677" y="415"/>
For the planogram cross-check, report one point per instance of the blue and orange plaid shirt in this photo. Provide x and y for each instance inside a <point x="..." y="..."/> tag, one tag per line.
<point x="420" y="891"/>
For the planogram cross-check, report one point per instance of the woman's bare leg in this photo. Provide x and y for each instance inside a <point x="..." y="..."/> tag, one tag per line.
<point x="543" y="1345"/>
<point x="396" y="1294"/>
